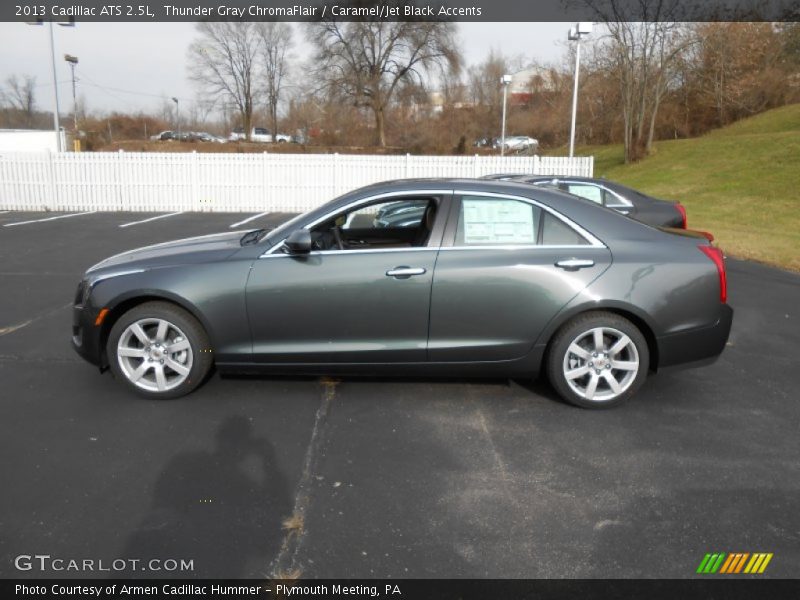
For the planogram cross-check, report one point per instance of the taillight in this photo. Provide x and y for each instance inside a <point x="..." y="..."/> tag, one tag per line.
<point x="716" y="256"/>
<point x="682" y="210"/>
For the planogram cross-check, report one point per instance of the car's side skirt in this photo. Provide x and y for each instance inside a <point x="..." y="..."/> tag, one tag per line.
<point x="527" y="366"/>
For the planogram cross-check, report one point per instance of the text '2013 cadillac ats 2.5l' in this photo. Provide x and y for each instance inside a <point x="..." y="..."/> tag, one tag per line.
<point x="415" y="277"/>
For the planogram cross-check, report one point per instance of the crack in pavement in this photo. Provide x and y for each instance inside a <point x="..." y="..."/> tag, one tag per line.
<point x="506" y="479"/>
<point x="285" y="566"/>
<point x="18" y="326"/>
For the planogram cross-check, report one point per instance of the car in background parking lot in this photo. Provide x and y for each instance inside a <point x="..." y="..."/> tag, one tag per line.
<point x="260" y="135"/>
<point x="496" y="279"/>
<point x="623" y="199"/>
<point x="613" y="195"/>
<point x="164" y="136"/>
<point x="204" y="136"/>
<point x="517" y="143"/>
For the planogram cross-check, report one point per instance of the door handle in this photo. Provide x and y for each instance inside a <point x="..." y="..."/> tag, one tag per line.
<point x="405" y="272"/>
<point x="573" y="264"/>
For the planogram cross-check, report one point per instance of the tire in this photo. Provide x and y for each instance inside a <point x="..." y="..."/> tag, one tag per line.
<point x="159" y="351"/>
<point x="622" y="355"/>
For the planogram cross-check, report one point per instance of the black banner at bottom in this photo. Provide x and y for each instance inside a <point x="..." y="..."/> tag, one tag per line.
<point x="409" y="589"/>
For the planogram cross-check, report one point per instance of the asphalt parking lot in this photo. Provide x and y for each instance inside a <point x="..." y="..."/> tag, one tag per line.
<point x="392" y="478"/>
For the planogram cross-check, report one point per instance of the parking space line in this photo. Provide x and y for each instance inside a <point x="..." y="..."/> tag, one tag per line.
<point x="17" y="326"/>
<point x="88" y="212"/>
<point x="248" y="219"/>
<point x="152" y="219"/>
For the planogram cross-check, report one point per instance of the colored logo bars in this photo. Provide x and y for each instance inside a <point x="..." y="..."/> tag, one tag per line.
<point x="741" y="562"/>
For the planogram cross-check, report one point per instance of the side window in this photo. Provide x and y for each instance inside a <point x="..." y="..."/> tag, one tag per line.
<point x="396" y="223"/>
<point x="590" y="192"/>
<point x="486" y="221"/>
<point x="397" y="213"/>
<point x="557" y="233"/>
<point x="614" y="201"/>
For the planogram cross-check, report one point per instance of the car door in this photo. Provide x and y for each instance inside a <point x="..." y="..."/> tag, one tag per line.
<point x="506" y="268"/>
<point x="366" y="304"/>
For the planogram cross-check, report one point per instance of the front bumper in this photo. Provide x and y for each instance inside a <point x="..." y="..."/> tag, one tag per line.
<point x="696" y="347"/>
<point x="86" y="336"/>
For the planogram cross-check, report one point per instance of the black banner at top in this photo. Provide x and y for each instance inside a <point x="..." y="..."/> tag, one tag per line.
<point x="400" y="10"/>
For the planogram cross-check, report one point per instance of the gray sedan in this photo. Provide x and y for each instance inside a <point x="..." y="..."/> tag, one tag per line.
<point x="497" y="279"/>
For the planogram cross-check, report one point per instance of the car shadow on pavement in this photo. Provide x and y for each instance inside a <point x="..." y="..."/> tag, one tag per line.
<point x="222" y="509"/>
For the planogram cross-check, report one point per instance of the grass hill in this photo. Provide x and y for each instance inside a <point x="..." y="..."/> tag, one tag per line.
<point x="741" y="182"/>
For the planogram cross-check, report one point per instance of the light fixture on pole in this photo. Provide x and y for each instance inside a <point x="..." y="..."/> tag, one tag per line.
<point x="505" y="81"/>
<point x="177" y="116"/>
<point x="575" y="34"/>
<point x="56" y="125"/>
<point x="73" y="61"/>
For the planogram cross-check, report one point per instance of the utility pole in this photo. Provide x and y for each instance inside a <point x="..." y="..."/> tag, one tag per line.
<point x="177" y="116"/>
<point x="76" y="142"/>
<point x="575" y="34"/>
<point x="505" y="81"/>
<point x="56" y="124"/>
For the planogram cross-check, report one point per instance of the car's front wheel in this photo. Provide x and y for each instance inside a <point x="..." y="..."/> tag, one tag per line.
<point x="159" y="350"/>
<point x="598" y="360"/>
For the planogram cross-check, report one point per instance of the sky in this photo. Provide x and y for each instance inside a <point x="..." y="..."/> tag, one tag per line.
<point x="149" y="59"/>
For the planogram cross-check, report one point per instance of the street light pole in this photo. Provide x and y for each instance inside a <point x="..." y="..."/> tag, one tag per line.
<point x="56" y="124"/>
<point x="177" y="116"/>
<point x="73" y="61"/>
<point x="575" y="34"/>
<point x="505" y="80"/>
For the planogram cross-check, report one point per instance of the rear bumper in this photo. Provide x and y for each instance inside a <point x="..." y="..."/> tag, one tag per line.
<point x="86" y="336"/>
<point x="696" y="347"/>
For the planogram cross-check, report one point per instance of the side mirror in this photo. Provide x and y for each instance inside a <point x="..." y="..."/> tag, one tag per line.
<point x="299" y="242"/>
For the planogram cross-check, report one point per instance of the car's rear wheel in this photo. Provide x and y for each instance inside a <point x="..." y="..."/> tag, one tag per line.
<point x="159" y="350"/>
<point x="598" y="360"/>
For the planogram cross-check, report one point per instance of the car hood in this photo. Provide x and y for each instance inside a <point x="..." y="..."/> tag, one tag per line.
<point x="190" y="250"/>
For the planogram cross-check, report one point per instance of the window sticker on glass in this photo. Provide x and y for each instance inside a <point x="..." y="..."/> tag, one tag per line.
<point x="497" y="222"/>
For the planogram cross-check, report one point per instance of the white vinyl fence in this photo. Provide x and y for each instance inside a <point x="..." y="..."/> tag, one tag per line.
<point x="134" y="181"/>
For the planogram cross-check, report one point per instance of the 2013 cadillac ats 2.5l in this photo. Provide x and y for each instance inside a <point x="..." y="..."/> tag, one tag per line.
<point x="483" y="278"/>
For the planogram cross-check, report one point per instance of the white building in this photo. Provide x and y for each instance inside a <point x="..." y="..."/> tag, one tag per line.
<point x="29" y="140"/>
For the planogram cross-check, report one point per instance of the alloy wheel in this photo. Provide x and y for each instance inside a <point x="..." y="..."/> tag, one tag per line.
<point x="600" y="364"/>
<point x="154" y="354"/>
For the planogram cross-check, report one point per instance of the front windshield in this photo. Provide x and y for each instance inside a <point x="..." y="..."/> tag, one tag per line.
<point x="282" y="231"/>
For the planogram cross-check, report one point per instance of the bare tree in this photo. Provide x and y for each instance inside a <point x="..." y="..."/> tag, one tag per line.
<point x="484" y="80"/>
<point x="742" y="68"/>
<point x="275" y="41"/>
<point x="641" y="48"/>
<point x="367" y="61"/>
<point x="223" y="61"/>
<point x="19" y="94"/>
